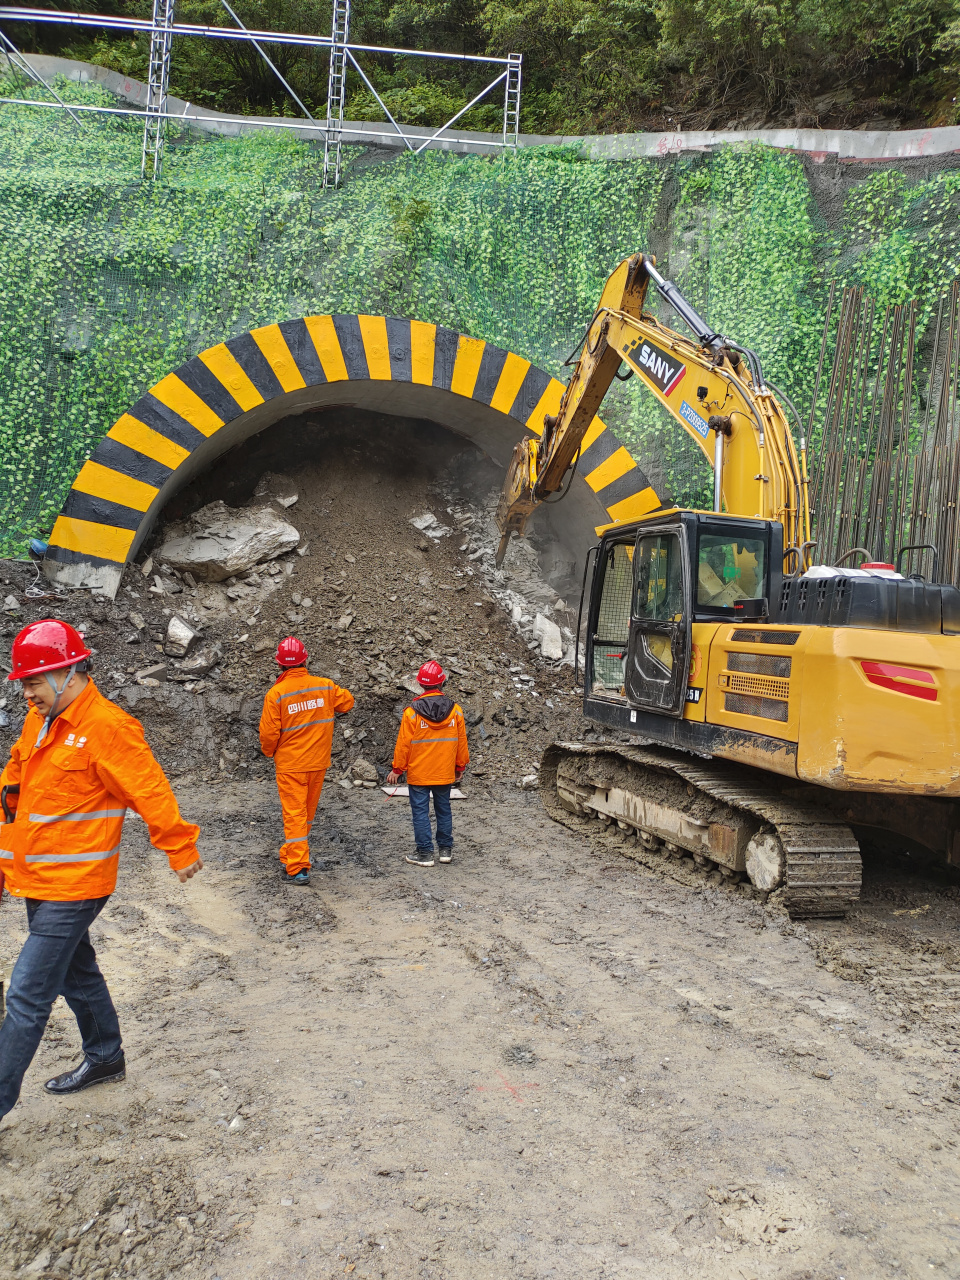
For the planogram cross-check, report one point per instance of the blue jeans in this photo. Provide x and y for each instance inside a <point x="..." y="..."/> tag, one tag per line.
<point x="57" y="959"/>
<point x="420" y="807"/>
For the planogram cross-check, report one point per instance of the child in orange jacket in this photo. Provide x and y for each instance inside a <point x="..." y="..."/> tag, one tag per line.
<point x="432" y="750"/>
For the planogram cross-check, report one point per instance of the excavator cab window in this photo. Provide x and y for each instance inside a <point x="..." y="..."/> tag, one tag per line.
<point x="612" y="634"/>
<point x="729" y="569"/>
<point x="659" y="579"/>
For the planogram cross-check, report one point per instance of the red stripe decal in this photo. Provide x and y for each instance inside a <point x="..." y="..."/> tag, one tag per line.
<point x="899" y="680"/>
<point x="904" y="673"/>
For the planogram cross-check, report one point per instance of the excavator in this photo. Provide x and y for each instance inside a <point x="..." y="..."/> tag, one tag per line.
<point x="762" y="717"/>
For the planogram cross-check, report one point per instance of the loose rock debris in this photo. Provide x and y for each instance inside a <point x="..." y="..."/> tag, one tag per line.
<point x="559" y="1055"/>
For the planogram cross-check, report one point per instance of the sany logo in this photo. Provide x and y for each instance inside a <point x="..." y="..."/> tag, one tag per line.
<point x="656" y="365"/>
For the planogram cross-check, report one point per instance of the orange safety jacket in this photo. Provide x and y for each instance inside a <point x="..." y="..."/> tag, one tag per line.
<point x="430" y="750"/>
<point x="296" y="725"/>
<point x="75" y="789"/>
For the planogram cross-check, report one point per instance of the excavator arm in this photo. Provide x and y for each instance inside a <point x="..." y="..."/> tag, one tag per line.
<point x="714" y="388"/>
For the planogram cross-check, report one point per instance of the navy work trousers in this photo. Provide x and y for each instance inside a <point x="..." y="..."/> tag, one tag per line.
<point x="57" y="959"/>
<point x="420" y="807"/>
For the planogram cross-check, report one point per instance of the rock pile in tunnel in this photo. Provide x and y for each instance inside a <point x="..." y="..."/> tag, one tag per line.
<point x="390" y="568"/>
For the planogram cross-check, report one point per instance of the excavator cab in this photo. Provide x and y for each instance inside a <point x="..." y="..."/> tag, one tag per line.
<point x="652" y="581"/>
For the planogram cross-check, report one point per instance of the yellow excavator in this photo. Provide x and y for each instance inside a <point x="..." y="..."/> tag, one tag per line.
<point x="784" y="713"/>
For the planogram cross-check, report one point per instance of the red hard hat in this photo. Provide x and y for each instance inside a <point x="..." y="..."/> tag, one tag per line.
<point x="431" y="675"/>
<point x="44" y="646"/>
<point x="291" y="653"/>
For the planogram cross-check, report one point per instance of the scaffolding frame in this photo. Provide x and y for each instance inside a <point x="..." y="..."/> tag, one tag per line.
<point x="158" y="83"/>
<point x="162" y="28"/>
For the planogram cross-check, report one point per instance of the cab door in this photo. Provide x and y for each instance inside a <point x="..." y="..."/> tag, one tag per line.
<point x="658" y="654"/>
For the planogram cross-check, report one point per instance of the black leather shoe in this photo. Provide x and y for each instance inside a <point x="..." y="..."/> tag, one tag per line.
<point x="88" y="1073"/>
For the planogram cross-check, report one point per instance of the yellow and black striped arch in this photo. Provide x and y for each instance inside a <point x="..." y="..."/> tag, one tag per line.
<point x="109" y="501"/>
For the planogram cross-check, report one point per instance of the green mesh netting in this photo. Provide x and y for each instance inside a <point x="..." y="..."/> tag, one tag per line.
<point x="108" y="283"/>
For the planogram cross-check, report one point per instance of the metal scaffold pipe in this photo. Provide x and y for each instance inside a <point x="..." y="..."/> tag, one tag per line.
<point x="158" y="83"/>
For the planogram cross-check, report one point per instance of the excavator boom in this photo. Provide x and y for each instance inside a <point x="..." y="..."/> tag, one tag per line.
<point x="714" y="389"/>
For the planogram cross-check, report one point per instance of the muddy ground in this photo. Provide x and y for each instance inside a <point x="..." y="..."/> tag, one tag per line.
<point x="541" y="1060"/>
<point x="548" y="1059"/>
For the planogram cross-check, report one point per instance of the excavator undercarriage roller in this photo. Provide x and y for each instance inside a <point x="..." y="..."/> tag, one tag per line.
<point x="729" y="819"/>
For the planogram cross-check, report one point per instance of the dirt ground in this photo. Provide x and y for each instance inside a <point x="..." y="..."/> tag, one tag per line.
<point x="558" y="1056"/>
<point x="541" y="1060"/>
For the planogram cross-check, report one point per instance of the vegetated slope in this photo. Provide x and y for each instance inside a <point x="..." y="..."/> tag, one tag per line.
<point x="127" y="280"/>
<point x="587" y="68"/>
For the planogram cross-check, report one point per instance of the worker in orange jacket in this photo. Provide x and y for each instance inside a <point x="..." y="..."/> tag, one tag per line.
<point x="79" y="764"/>
<point x="432" y="750"/>
<point x="296" y="730"/>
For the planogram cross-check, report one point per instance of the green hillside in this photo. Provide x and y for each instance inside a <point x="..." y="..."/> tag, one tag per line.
<point x="107" y="283"/>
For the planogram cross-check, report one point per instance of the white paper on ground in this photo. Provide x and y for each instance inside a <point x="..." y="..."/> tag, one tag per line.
<point x="455" y="792"/>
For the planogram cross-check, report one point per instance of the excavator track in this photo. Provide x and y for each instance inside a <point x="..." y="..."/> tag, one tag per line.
<point x="727" y="817"/>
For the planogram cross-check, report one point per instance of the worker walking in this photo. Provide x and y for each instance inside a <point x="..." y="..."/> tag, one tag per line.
<point x="80" y="762"/>
<point x="432" y="750"/>
<point x="296" y="730"/>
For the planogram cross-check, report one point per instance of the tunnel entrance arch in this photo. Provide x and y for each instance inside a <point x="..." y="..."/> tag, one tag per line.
<point x="241" y="387"/>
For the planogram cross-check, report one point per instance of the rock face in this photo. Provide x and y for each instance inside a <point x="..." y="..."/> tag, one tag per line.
<point x="218" y="541"/>
<point x="549" y="635"/>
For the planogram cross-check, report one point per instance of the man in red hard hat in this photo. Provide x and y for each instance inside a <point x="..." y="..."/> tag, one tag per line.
<point x="296" y="730"/>
<point x="432" y="750"/>
<point x="80" y="762"/>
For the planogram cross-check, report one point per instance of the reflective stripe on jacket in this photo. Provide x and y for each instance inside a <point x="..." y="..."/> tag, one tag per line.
<point x="75" y="789"/>
<point x="431" y="754"/>
<point x="296" y="726"/>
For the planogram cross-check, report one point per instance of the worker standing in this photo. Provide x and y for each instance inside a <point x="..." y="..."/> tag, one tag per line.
<point x="296" y="730"/>
<point x="80" y="762"/>
<point x="432" y="750"/>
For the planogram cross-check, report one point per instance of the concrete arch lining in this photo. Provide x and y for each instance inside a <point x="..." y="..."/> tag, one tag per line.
<point x="239" y="388"/>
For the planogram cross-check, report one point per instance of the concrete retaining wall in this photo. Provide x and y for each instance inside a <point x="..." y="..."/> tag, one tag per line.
<point x="845" y="144"/>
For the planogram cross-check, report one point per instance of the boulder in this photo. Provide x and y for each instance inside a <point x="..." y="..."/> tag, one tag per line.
<point x="201" y="662"/>
<point x="218" y="541"/>
<point x="180" y="638"/>
<point x="550" y="639"/>
<point x="152" y="675"/>
<point x="363" y="771"/>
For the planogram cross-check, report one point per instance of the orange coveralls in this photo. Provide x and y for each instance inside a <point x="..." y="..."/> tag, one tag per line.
<point x="296" y="730"/>
<point x="431" y="754"/>
<point x="75" y="789"/>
